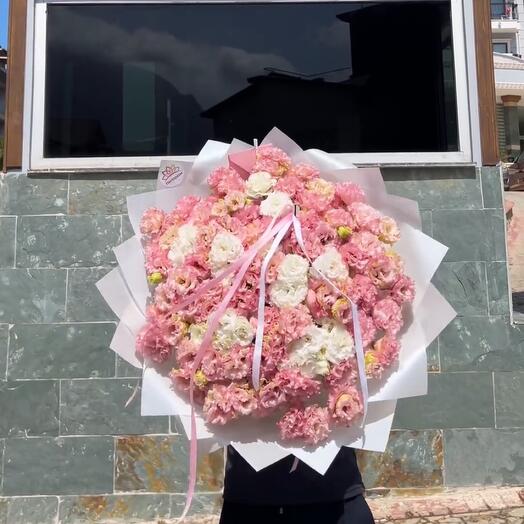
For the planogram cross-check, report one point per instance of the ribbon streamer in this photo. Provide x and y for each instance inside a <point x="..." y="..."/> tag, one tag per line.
<point x="277" y="232"/>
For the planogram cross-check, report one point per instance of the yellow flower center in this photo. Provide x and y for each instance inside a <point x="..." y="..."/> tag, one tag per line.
<point x="344" y="232"/>
<point x="155" y="278"/>
<point x="200" y="379"/>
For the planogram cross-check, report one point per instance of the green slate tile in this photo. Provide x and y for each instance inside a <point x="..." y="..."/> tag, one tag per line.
<point x="7" y="241"/>
<point x="61" y="351"/>
<point x="481" y="344"/>
<point x="21" y="194"/>
<point x="509" y="399"/>
<point x="484" y="457"/>
<point x="98" y="407"/>
<point x="159" y="464"/>
<point x="454" y="400"/>
<point x="32" y="295"/>
<point x="463" y="284"/>
<point x="492" y="187"/>
<point x="105" y="194"/>
<point x="84" y="301"/>
<point x="498" y="292"/>
<point x="29" y="408"/>
<point x="48" y="241"/>
<point x="58" y="466"/>
<point x="114" y="508"/>
<point x="436" y="187"/>
<point x="32" y="510"/>
<point x="412" y="459"/>
<point x="481" y="235"/>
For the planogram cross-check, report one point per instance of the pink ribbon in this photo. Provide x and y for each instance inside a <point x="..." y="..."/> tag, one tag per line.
<point x="244" y="262"/>
<point x="276" y="231"/>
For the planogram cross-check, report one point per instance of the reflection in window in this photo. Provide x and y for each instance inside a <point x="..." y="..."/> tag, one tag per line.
<point x="500" y="47"/>
<point x="147" y="80"/>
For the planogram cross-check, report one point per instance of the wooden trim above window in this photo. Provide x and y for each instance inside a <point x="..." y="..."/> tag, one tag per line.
<point x="486" y="83"/>
<point x="14" y="114"/>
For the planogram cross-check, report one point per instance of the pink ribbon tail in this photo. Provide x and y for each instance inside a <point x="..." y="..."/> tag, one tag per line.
<point x="247" y="259"/>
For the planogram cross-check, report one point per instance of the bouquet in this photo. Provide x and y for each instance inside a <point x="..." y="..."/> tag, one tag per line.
<point x="278" y="300"/>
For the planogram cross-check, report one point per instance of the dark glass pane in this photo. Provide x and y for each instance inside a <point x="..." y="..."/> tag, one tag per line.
<point x="500" y="47"/>
<point x="146" y="79"/>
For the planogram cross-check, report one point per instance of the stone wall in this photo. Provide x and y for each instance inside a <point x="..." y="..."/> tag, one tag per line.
<point x="69" y="447"/>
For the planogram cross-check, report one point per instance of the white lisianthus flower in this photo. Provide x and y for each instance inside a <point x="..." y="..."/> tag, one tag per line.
<point x="339" y="342"/>
<point x="275" y="203"/>
<point x="225" y="248"/>
<point x="196" y="333"/>
<point x="308" y="353"/>
<point x="331" y="264"/>
<point x="293" y="269"/>
<point x="259" y="184"/>
<point x="233" y="329"/>
<point x="183" y="244"/>
<point x="321" y="347"/>
<point x="287" y="294"/>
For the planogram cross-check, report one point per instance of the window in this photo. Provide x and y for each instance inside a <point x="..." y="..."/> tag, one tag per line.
<point x="126" y="84"/>
<point x="500" y="47"/>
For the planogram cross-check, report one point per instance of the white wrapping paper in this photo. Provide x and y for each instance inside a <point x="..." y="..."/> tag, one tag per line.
<point x="126" y="291"/>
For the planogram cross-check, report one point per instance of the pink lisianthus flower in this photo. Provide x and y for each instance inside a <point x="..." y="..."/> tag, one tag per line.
<point x="237" y="362"/>
<point x="360" y="248"/>
<point x="202" y="211"/>
<point x="235" y="200"/>
<point x="200" y="310"/>
<point x="271" y="396"/>
<point x="310" y="424"/>
<point x="154" y="343"/>
<point x="246" y="297"/>
<point x="403" y="290"/>
<point x="222" y="180"/>
<point x="363" y="291"/>
<point x="350" y="193"/>
<point x="317" y="195"/>
<point x="343" y="373"/>
<point x="289" y="184"/>
<point x="345" y="404"/>
<point x="383" y="272"/>
<point x="368" y="328"/>
<point x="272" y="160"/>
<point x="304" y="172"/>
<point x="248" y="214"/>
<point x="272" y="270"/>
<point x="183" y="279"/>
<point x="152" y="222"/>
<point x="366" y="217"/>
<point x="387" y="316"/>
<point x="156" y="258"/>
<point x="384" y="353"/>
<point x="320" y="300"/>
<point x="212" y="366"/>
<point x="341" y="310"/>
<point x="294" y="323"/>
<point x="183" y="209"/>
<point x="296" y="385"/>
<point x="272" y="357"/>
<point x="339" y="217"/>
<point x="185" y="351"/>
<point x="388" y="230"/>
<point x="225" y="403"/>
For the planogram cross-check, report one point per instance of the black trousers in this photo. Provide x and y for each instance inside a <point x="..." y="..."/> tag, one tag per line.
<point x="351" y="511"/>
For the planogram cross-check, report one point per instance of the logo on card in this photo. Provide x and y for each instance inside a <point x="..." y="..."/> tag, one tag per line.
<point x="170" y="174"/>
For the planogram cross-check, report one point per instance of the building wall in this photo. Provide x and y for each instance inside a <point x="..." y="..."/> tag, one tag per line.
<point x="68" y="445"/>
